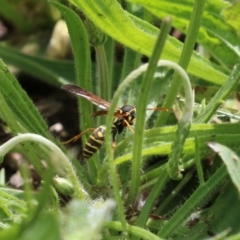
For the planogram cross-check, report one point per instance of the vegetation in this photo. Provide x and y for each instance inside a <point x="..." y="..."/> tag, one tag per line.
<point x="177" y="175"/>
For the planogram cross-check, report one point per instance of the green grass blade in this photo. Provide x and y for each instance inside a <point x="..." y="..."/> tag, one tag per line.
<point x="184" y="61"/>
<point x="81" y="50"/>
<point x="142" y="103"/>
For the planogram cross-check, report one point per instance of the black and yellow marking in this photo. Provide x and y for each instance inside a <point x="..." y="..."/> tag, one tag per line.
<point x="125" y="117"/>
<point x="94" y="142"/>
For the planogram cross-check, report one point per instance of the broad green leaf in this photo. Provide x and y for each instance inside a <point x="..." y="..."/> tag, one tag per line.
<point x="141" y="36"/>
<point x="215" y="34"/>
<point x="222" y="215"/>
<point x="231" y="160"/>
<point x="232" y="16"/>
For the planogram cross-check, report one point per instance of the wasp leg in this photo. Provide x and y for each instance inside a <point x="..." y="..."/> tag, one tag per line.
<point x="114" y="133"/>
<point x="74" y="139"/>
<point x="129" y="127"/>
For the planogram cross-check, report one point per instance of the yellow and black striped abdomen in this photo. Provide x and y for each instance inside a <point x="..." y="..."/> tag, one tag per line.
<point x="94" y="142"/>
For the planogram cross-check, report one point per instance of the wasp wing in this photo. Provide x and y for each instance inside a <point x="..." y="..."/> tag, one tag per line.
<point x="87" y="95"/>
<point x="104" y="112"/>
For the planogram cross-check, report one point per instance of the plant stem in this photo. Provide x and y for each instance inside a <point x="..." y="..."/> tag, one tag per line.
<point x="137" y="231"/>
<point x="198" y="161"/>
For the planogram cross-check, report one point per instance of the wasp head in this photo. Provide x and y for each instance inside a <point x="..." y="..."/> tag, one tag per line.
<point x="129" y="113"/>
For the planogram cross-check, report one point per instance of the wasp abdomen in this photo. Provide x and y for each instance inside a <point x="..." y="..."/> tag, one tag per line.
<point x="94" y="142"/>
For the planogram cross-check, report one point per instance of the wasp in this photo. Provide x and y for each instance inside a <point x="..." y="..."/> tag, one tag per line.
<point x="123" y="117"/>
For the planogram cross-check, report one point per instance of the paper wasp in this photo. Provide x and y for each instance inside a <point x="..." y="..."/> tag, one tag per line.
<point x="123" y="117"/>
